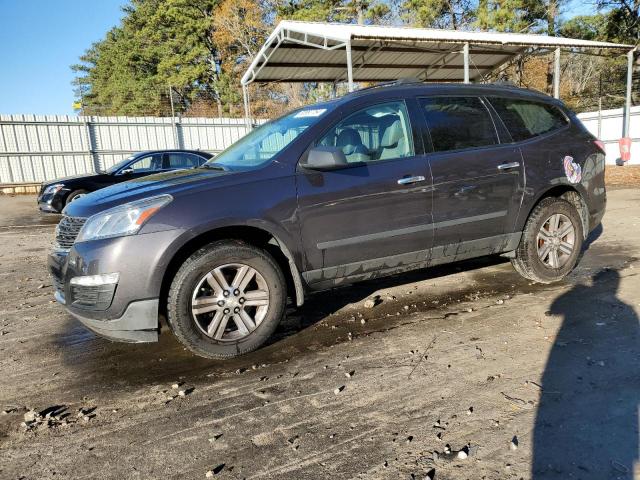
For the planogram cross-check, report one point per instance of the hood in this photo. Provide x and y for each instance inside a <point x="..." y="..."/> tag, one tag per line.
<point x="172" y="183"/>
<point x="72" y="178"/>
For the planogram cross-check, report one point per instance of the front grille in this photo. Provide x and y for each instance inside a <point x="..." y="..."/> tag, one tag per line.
<point x="67" y="231"/>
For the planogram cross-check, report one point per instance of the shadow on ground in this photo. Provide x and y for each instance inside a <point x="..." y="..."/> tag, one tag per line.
<point x="587" y="422"/>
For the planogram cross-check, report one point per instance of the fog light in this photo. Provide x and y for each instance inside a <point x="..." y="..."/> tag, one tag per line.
<point x="96" y="280"/>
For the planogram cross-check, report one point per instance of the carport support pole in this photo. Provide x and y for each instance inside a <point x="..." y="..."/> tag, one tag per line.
<point x="465" y="54"/>
<point x="349" y="67"/>
<point x="247" y="112"/>
<point x="627" y="101"/>
<point x="556" y="74"/>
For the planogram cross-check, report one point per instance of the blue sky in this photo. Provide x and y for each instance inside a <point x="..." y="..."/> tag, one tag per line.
<point x="39" y="40"/>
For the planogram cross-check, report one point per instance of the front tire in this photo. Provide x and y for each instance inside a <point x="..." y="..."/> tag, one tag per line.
<point x="226" y="299"/>
<point x="551" y="242"/>
<point x="74" y="195"/>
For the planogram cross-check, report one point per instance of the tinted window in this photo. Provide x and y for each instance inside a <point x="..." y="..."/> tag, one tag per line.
<point x="458" y="122"/>
<point x="150" y="163"/>
<point x="379" y="132"/>
<point x="183" y="160"/>
<point x="526" y="119"/>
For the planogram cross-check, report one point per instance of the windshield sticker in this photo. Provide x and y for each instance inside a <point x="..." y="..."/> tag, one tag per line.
<point x="572" y="170"/>
<point x="310" y="113"/>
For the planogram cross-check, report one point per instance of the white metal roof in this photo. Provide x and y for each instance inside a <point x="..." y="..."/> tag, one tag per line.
<point x="315" y="52"/>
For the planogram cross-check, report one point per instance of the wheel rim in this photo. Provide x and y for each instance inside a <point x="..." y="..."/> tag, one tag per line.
<point x="230" y="302"/>
<point x="556" y="241"/>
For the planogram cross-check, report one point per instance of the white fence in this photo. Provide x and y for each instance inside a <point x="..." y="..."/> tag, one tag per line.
<point x="35" y="148"/>
<point x="607" y="126"/>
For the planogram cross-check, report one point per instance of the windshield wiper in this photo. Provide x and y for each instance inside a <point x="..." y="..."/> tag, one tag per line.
<point x="213" y="166"/>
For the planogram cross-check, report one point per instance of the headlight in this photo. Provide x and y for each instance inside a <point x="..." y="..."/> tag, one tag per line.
<point x="122" y="220"/>
<point x="53" y="189"/>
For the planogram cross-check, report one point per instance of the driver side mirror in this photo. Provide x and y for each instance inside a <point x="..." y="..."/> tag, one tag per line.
<point x="325" y="158"/>
<point x="126" y="171"/>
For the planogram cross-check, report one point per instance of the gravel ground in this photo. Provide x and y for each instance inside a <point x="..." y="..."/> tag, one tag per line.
<point x="465" y="371"/>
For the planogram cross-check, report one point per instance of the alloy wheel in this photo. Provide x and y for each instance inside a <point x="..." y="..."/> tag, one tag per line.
<point x="556" y="241"/>
<point x="230" y="302"/>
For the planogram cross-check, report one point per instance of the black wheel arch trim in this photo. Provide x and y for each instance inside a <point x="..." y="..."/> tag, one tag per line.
<point x="559" y="190"/>
<point x="275" y="239"/>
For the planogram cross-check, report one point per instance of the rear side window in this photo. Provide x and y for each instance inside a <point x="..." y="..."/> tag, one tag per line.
<point x="525" y="119"/>
<point x="456" y="123"/>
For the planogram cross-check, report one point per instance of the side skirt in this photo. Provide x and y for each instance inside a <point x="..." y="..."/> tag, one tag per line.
<point x="325" y="278"/>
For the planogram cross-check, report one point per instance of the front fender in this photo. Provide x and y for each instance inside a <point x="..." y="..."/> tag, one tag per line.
<point x="279" y="237"/>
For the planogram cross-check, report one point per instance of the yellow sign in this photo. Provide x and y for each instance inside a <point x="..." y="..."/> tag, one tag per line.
<point x="77" y="105"/>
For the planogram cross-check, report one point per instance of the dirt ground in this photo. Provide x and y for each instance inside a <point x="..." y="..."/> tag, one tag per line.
<point x="623" y="176"/>
<point x="528" y="381"/>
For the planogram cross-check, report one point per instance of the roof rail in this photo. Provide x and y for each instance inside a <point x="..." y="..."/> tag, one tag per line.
<point x="400" y="81"/>
<point x="504" y="83"/>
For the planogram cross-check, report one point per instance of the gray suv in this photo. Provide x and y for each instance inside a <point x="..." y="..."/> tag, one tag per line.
<point x="381" y="181"/>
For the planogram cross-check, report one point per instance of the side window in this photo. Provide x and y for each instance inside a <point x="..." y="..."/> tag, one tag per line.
<point x="378" y="132"/>
<point x="150" y="163"/>
<point x="458" y="122"/>
<point x="182" y="160"/>
<point x="525" y="119"/>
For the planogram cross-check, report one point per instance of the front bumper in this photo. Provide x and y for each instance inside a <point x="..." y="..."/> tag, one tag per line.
<point x="47" y="208"/>
<point x="126" y="311"/>
<point x="138" y="324"/>
<point x="50" y="203"/>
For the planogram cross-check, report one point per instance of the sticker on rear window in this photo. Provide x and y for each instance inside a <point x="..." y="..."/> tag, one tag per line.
<point x="310" y="113"/>
<point x="572" y="170"/>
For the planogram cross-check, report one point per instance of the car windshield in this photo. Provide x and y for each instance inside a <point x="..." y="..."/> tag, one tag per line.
<point x="262" y="144"/>
<point x="119" y="165"/>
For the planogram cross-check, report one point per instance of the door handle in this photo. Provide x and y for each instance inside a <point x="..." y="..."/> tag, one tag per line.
<point x="410" y="180"/>
<point x="507" y="166"/>
<point x="464" y="190"/>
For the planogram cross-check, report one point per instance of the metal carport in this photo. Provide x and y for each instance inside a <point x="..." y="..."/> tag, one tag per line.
<point x="329" y="52"/>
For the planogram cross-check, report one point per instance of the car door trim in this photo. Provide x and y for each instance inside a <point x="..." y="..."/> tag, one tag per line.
<point x="475" y="218"/>
<point x="408" y="230"/>
<point x="343" y="242"/>
<point x="330" y="277"/>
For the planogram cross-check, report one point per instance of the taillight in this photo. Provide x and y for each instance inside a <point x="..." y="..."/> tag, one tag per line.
<point x="600" y="145"/>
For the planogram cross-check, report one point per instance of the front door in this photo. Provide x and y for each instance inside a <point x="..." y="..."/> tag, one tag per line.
<point x="142" y="166"/>
<point x="477" y="182"/>
<point x="374" y="214"/>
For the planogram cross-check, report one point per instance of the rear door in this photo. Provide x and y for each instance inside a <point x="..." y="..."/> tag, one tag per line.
<point x="477" y="182"/>
<point x="375" y="213"/>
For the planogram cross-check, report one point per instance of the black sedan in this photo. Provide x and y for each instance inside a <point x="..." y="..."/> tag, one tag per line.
<point x="55" y="195"/>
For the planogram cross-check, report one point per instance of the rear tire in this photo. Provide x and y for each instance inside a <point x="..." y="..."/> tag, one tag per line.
<point x="226" y="299"/>
<point x="551" y="242"/>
